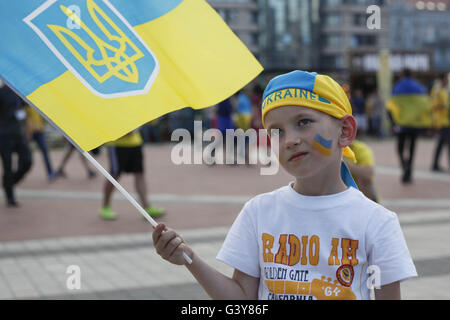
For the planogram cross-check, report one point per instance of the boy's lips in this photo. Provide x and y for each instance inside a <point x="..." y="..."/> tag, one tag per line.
<point x="297" y="155"/>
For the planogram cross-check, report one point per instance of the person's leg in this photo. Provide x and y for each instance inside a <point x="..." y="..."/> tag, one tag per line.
<point x="411" y="136"/>
<point x="108" y="188"/>
<point x="141" y="188"/>
<point x="437" y="151"/>
<point x="400" y="148"/>
<point x="412" y="147"/>
<point x="90" y="173"/>
<point x="7" y="181"/>
<point x="106" y="211"/>
<point x="39" y="137"/>
<point x="24" y="159"/>
<point x="407" y="165"/>
<point x="447" y="143"/>
<point x="69" y="150"/>
<point x="135" y="164"/>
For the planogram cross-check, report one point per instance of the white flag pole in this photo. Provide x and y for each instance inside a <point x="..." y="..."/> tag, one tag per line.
<point x="94" y="162"/>
<point x="126" y="194"/>
<point x="119" y="187"/>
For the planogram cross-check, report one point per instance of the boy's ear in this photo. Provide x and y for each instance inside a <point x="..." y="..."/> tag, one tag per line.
<point x="348" y="131"/>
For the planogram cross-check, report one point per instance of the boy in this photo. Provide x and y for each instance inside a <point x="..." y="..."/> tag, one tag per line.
<point x="126" y="155"/>
<point x="316" y="237"/>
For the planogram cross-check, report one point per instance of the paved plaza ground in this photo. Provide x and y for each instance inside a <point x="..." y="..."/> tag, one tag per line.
<point x="58" y="225"/>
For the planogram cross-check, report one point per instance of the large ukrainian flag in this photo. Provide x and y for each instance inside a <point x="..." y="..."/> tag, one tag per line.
<point x="410" y="105"/>
<point x="100" y="68"/>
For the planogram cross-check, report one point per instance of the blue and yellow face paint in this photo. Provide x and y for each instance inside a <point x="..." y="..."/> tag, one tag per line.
<point x="322" y="145"/>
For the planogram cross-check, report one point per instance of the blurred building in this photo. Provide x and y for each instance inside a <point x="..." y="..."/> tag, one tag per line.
<point x="422" y="26"/>
<point x="344" y="33"/>
<point x="418" y="39"/>
<point x="333" y="37"/>
<point x="242" y="17"/>
<point x="289" y="34"/>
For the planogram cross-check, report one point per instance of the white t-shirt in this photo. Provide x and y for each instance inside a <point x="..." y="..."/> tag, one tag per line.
<point x="317" y="247"/>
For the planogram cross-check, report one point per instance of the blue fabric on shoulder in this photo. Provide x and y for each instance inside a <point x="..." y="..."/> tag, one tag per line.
<point x="347" y="176"/>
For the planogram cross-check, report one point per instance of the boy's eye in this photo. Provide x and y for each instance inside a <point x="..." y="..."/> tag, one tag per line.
<point x="304" y="122"/>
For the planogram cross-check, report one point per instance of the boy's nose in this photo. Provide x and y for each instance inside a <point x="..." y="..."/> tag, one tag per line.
<point x="292" y="139"/>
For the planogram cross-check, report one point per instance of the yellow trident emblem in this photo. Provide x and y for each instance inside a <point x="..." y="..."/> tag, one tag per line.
<point x="120" y="64"/>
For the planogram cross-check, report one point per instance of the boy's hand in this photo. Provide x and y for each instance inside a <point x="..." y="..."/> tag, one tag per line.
<point x="169" y="245"/>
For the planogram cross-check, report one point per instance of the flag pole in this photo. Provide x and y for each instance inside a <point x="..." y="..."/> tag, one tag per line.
<point x="119" y="187"/>
<point x="95" y="163"/>
<point x="126" y="194"/>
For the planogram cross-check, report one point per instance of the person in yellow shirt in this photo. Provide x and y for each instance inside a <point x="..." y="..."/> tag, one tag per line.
<point x="35" y="131"/>
<point x="363" y="170"/>
<point x="441" y="117"/>
<point x="125" y="155"/>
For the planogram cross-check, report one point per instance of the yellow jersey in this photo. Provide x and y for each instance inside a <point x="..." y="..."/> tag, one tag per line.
<point x="132" y="139"/>
<point x="35" y="118"/>
<point x="440" y="107"/>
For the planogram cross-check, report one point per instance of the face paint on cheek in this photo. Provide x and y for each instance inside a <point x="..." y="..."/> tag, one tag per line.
<point x="322" y="145"/>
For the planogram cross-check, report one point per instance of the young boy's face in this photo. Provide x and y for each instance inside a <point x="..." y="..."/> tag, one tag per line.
<point x="307" y="139"/>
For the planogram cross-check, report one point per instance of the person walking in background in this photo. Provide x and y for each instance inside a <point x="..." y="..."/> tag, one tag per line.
<point x="126" y="156"/>
<point x="256" y="98"/>
<point x="224" y="121"/>
<point x="60" y="173"/>
<point x="256" y="116"/>
<point x="35" y="131"/>
<point x="243" y="120"/>
<point x="411" y="112"/>
<point x="359" y="111"/>
<point x="243" y="110"/>
<point x="375" y="114"/>
<point x="12" y="140"/>
<point x="441" y="117"/>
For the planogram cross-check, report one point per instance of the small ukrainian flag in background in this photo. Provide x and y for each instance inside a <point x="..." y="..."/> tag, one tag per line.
<point x="100" y="68"/>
